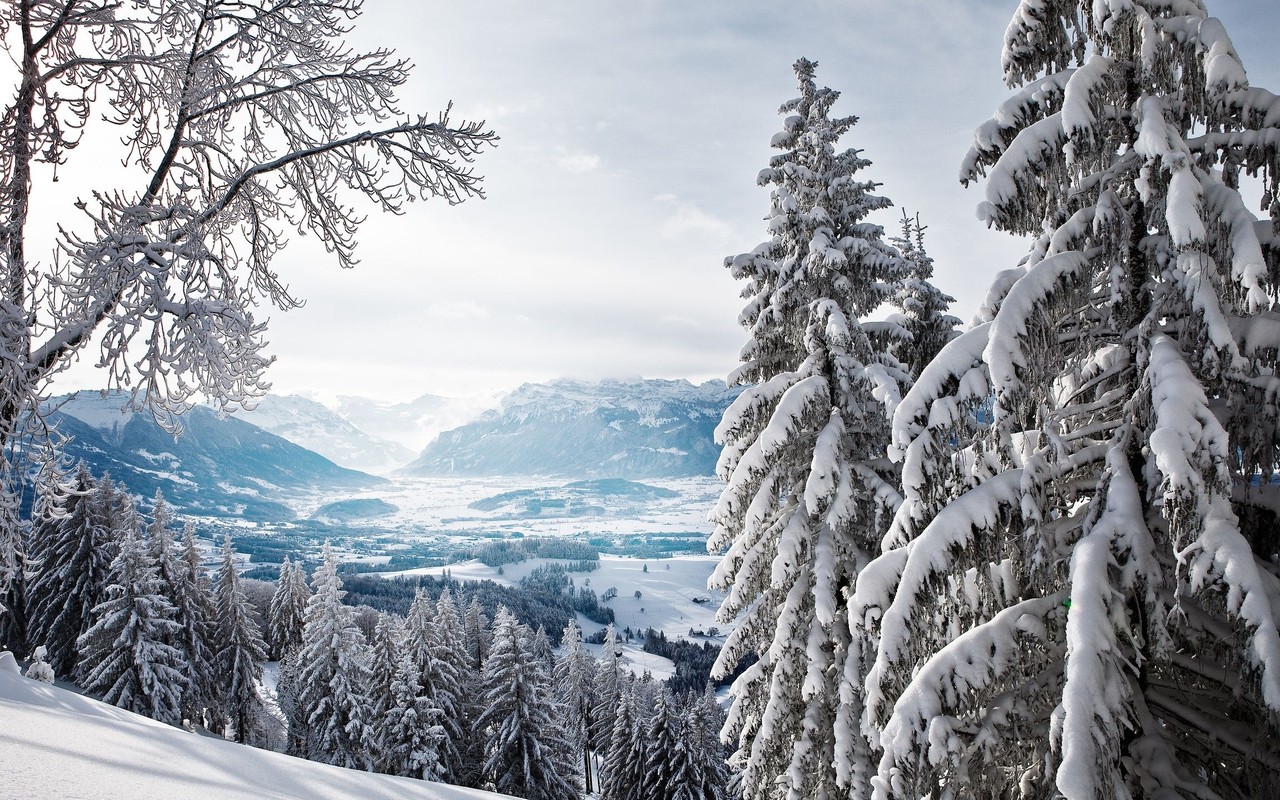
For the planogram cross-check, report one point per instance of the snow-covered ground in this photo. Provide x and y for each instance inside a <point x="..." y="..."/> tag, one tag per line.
<point x="58" y="744"/>
<point x="673" y="591"/>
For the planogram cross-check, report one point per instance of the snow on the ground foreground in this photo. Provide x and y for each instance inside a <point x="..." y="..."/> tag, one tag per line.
<point x="58" y="744"/>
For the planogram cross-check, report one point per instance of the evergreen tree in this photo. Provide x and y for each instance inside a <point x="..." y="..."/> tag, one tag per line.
<point x="241" y="650"/>
<point x="331" y="707"/>
<point x="162" y="546"/>
<point x="410" y="732"/>
<point x="384" y="660"/>
<point x="924" y="307"/>
<point x="1075" y="600"/>
<point x="666" y="764"/>
<point x="192" y="597"/>
<point x="528" y="754"/>
<point x="287" y="612"/>
<point x="73" y="553"/>
<point x="438" y="676"/>
<point x="574" y="677"/>
<point x="39" y="669"/>
<point x="624" y="767"/>
<point x="808" y="487"/>
<point x="607" y="691"/>
<point x="475" y="648"/>
<point x="125" y="655"/>
<point x="707" y="774"/>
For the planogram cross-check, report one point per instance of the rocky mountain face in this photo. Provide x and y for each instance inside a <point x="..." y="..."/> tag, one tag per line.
<point x="611" y="429"/>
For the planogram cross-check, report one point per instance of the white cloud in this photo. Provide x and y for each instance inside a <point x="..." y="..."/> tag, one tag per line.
<point x="579" y="163"/>
<point x="686" y="219"/>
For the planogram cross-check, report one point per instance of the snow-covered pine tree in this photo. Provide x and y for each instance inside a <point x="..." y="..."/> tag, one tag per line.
<point x="409" y="732"/>
<point x="707" y="775"/>
<point x="125" y="656"/>
<point x="384" y="658"/>
<point x="475" y="651"/>
<point x="623" y="776"/>
<point x="287" y="613"/>
<point x="162" y="545"/>
<point x="667" y="757"/>
<point x="606" y="691"/>
<point x="192" y="597"/>
<point x="528" y="754"/>
<point x="331" y="709"/>
<point x="922" y="305"/>
<point x="73" y="553"/>
<point x="241" y="650"/>
<point x="1079" y="600"/>
<point x="574" y="684"/>
<point x="808" y="487"/>
<point x="438" y="677"/>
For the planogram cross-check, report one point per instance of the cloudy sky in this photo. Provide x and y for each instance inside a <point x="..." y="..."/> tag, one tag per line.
<point x="632" y="133"/>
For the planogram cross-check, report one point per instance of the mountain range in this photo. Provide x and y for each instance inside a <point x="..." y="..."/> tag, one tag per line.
<point x="610" y="429"/>
<point x="218" y="466"/>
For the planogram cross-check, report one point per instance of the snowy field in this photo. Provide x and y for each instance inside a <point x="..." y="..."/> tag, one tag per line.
<point x="670" y="590"/>
<point x="441" y="506"/>
<point x="58" y="744"/>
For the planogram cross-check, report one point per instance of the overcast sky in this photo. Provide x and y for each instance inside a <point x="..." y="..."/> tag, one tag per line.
<point x="632" y="133"/>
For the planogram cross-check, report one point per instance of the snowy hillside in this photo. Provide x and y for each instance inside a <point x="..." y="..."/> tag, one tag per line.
<point x="218" y="466"/>
<point x="57" y="744"/>
<point x="318" y="428"/>
<point x="634" y="429"/>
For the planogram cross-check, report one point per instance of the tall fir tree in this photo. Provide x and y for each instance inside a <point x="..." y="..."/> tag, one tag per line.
<point x="922" y="305"/>
<point x="286" y="614"/>
<point x="575" y="671"/>
<point x="438" y="663"/>
<point x="74" y="551"/>
<point x="331" y="707"/>
<point x="666" y="763"/>
<point x="1075" y="600"/>
<point x="623" y="776"/>
<point x="125" y="655"/>
<point x="607" y="691"/>
<point x="475" y="631"/>
<point x="192" y="597"/>
<point x="241" y="650"/>
<point x="808" y="487"/>
<point x="528" y="754"/>
<point x="409" y="731"/>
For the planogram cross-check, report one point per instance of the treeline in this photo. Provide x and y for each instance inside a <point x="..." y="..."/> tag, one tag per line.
<point x="108" y="598"/>
<point x="513" y="551"/>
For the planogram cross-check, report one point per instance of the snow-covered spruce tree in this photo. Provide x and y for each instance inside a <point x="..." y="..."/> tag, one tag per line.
<point x="384" y="658"/>
<point x="666" y="763"/>
<point x="1079" y="601"/>
<point x="707" y="775"/>
<point x="192" y="597"/>
<point x="239" y="124"/>
<point x="438" y="676"/>
<point x="73" y="557"/>
<point x="623" y="776"/>
<point x="241" y="650"/>
<point x="331" y="721"/>
<point x="409" y="732"/>
<point x="527" y="752"/>
<point x="125" y="655"/>
<point x="923" y="306"/>
<point x="476" y="640"/>
<point x="287" y="613"/>
<point x="575" y="673"/>
<point x="606" y="690"/>
<point x="808" y="485"/>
